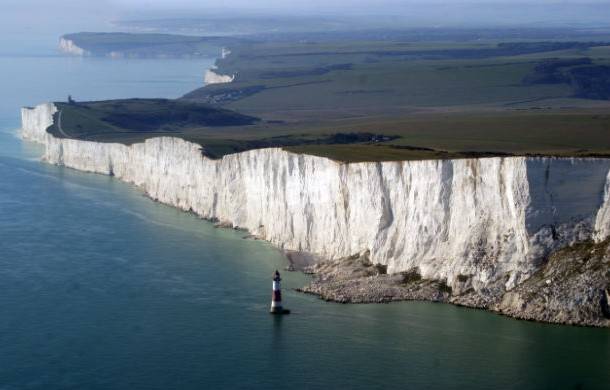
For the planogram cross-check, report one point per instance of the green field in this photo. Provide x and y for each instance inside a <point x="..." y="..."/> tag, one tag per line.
<point x="408" y="100"/>
<point x="389" y="78"/>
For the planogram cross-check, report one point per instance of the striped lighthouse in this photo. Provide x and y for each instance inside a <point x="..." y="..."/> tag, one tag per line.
<point x="276" y="297"/>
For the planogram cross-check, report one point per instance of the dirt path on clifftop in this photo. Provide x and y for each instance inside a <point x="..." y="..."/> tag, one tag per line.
<point x="59" y="128"/>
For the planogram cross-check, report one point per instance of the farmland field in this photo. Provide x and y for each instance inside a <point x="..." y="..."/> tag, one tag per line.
<point x="409" y="100"/>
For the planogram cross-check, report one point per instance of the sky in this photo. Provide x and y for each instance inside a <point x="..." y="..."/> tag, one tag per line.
<point x="337" y="5"/>
<point x="92" y="15"/>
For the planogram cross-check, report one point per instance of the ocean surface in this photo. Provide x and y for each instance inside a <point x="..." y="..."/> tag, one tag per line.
<point x="102" y="288"/>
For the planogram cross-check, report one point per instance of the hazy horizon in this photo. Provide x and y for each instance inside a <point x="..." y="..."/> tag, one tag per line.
<point x="577" y="11"/>
<point x="49" y="20"/>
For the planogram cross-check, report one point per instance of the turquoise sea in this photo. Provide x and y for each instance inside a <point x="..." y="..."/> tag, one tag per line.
<point x="102" y="288"/>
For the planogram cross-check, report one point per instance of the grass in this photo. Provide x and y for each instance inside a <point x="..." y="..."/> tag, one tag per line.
<point x="573" y="132"/>
<point x="387" y="77"/>
<point x="432" y="100"/>
<point x="112" y="118"/>
<point x="477" y="134"/>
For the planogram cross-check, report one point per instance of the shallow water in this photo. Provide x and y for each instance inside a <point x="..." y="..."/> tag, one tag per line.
<point x="102" y="288"/>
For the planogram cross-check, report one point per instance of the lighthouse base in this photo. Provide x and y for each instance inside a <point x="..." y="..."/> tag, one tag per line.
<point x="279" y="310"/>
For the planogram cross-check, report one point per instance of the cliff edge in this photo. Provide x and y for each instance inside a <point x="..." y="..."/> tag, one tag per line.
<point x="469" y="230"/>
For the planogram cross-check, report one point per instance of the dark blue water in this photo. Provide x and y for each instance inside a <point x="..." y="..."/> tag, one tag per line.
<point x="101" y="288"/>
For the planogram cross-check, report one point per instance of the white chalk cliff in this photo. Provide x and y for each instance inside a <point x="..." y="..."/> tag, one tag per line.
<point x="211" y="77"/>
<point x="69" y="47"/>
<point x="490" y="218"/>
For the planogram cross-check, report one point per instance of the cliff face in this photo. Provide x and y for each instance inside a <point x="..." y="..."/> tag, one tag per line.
<point x="69" y="47"/>
<point x="211" y="77"/>
<point x="35" y="121"/>
<point x="602" y="221"/>
<point x="491" y="220"/>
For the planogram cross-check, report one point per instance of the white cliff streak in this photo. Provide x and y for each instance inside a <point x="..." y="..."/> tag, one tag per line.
<point x="212" y="77"/>
<point x="489" y="218"/>
<point x="602" y="221"/>
<point x="69" y="47"/>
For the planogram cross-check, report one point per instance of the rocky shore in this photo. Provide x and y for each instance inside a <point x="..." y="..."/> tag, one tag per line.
<point x="356" y="280"/>
<point x="571" y="287"/>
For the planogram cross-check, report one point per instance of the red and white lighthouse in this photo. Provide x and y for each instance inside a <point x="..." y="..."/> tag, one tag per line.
<point x="276" y="297"/>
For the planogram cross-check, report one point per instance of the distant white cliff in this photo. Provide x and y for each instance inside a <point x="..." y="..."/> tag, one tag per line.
<point x="69" y="47"/>
<point x="211" y="77"/>
<point x="490" y="218"/>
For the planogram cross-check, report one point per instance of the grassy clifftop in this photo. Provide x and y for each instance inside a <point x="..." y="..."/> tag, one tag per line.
<point x="385" y="98"/>
<point x="418" y="136"/>
<point x="126" y="119"/>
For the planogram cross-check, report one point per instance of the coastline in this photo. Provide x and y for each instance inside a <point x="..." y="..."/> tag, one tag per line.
<point x="355" y="280"/>
<point x="250" y="191"/>
<point x="211" y="75"/>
